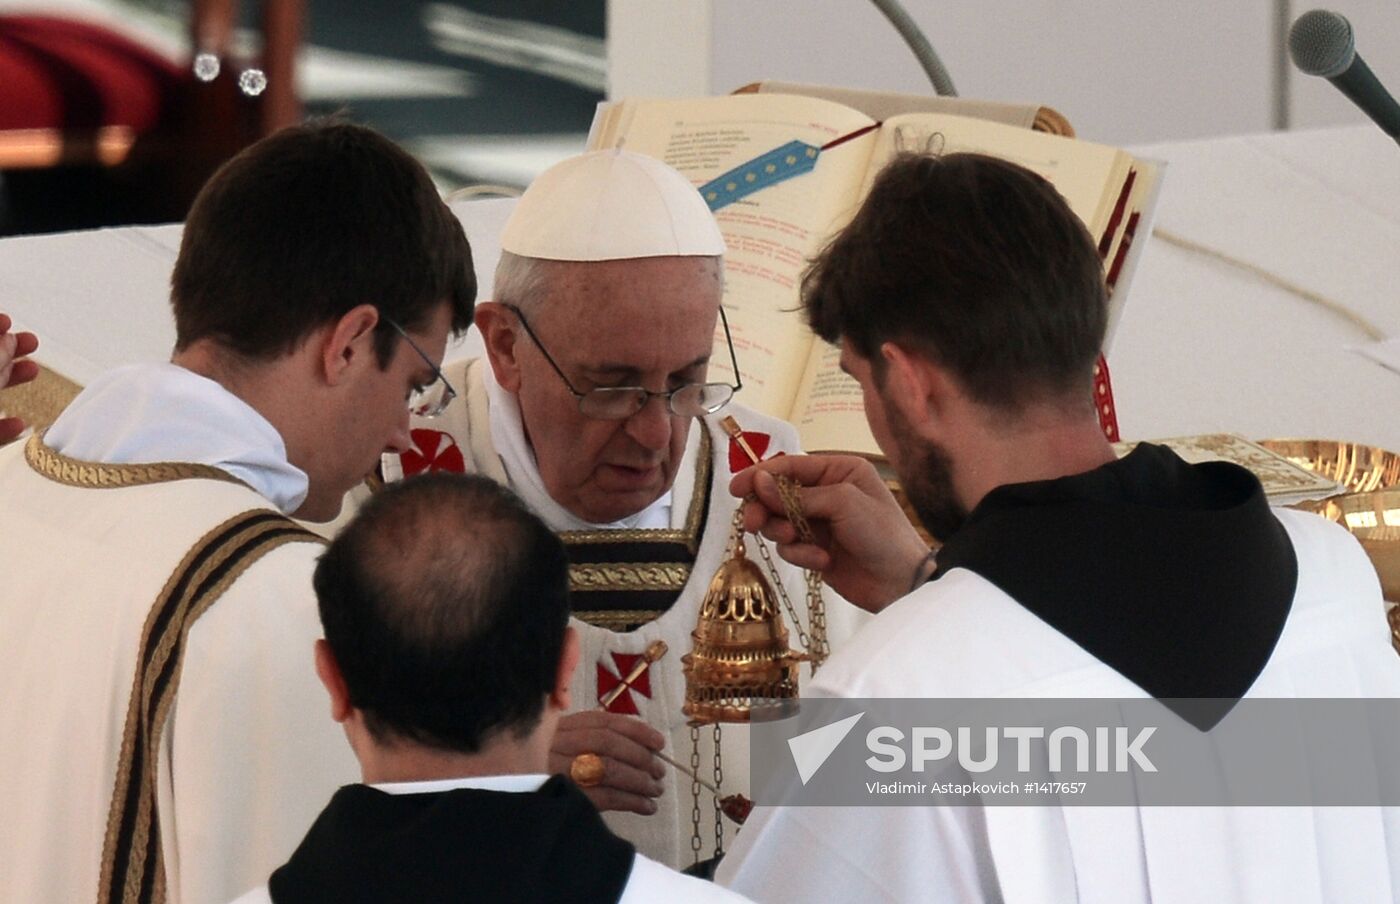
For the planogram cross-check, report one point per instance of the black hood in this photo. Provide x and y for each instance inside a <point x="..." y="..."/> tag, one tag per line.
<point x="460" y="845"/>
<point x="1177" y="576"/>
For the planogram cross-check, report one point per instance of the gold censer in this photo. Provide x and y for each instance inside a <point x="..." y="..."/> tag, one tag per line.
<point x="740" y="663"/>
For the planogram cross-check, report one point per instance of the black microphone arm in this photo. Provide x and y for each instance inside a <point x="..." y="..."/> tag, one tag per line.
<point x="928" y="58"/>
<point x="1362" y="87"/>
<point x="1321" y="43"/>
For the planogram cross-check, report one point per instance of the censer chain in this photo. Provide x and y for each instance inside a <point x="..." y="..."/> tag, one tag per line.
<point x="816" y="605"/>
<point x="816" y="643"/>
<point x="695" y="839"/>
<point x="719" y="806"/>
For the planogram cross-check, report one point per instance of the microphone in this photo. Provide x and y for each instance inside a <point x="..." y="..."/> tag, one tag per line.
<point x="1322" y="43"/>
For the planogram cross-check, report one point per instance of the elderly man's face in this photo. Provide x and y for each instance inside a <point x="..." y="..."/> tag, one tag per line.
<point x="645" y="322"/>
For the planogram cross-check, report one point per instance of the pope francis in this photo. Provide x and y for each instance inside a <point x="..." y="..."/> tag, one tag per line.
<point x="594" y="403"/>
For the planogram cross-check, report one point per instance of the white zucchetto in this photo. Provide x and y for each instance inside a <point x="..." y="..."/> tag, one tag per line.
<point x="611" y="205"/>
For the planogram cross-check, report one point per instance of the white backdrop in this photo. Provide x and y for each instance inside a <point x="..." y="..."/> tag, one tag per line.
<point x="1123" y="71"/>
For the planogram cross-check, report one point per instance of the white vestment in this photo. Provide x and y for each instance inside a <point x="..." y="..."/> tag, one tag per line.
<point x="465" y="429"/>
<point x="962" y="637"/>
<point x="248" y="753"/>
<point x="648" y="883"/>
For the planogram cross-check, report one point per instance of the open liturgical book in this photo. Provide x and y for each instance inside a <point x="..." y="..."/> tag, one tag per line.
<point x="784" y="172"/>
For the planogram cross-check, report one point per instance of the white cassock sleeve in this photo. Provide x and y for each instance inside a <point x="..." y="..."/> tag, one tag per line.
<point x="866" y="854"/>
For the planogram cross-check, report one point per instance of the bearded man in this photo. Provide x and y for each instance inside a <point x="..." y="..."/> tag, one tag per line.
<point x="969" y="303"/>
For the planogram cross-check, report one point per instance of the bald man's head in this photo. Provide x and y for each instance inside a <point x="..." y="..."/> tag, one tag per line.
<point x="445" y="604"/>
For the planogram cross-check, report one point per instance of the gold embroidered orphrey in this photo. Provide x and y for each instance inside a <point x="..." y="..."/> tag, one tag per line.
<point x="628" y="576"/>
<point x="133" y="868"/>
<point x="93" y="475"/>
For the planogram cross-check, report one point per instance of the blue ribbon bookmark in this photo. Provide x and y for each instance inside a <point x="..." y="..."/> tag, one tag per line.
<point x="778" y="165"/>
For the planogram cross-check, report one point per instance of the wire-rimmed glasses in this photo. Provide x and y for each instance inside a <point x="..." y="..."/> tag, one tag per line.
<point x="614" y="403"/>
<point x="433" y="399"/>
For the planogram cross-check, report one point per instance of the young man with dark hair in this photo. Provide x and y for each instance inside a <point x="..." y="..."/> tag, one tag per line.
<point x="280" y="244"/>
<point x="447" y="658"/>
<point x="968" y="303"/>
<point x="158" y="730"/>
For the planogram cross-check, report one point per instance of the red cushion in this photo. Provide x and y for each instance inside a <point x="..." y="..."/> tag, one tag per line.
<point x="64" y="74"/>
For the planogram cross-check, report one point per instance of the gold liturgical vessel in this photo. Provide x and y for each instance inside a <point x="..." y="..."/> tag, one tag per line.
<point x="1369" y="506"/>
<point x="740" y="663"/>
<point x="740" y="657"/>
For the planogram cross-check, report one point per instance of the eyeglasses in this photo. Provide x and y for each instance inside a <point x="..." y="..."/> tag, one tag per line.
<point x="615" y="403"/>
<point x="433" y="399"/>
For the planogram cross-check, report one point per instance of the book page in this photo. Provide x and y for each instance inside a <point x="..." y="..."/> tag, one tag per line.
<point x="829" y="411"/>
<point x="1087" y="175"/>
<point x="771" y="233"/>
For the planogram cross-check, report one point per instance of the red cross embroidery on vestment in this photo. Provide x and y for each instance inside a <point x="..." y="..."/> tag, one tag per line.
<point x="432" y="451"/>
<point x="738" y="458"/>
<point x="607" y="680"/>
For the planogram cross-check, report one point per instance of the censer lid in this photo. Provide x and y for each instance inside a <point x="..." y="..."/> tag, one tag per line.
<point x="740" y="660"/>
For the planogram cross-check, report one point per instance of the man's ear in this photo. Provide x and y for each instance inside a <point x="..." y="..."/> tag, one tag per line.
<point x="922" y="390"/>
<point x="328" y="670"/>
<point x="564" y="678"/>
<point x="500" y="332"/>
<point x="349" y="343"/>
